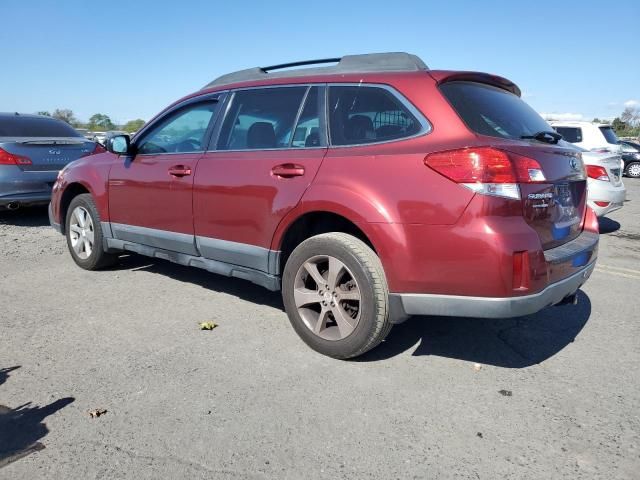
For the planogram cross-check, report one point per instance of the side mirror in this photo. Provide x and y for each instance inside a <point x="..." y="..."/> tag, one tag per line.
<point x="119" y="144"/>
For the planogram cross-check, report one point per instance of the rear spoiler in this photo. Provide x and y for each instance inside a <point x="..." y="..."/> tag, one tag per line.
<point x="446" y="76"/>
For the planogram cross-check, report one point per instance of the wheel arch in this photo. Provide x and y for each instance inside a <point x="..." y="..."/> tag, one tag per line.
<point x="70" y="191"/>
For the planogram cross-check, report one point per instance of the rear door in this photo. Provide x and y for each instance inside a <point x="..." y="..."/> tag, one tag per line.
<point x="268" y="150"/>
<point x="151" y="193"/>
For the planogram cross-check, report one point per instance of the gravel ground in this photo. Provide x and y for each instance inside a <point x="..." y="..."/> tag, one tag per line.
<point x="556" y="394"/>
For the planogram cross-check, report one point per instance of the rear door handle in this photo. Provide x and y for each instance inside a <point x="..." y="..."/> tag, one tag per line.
<point x="179" y="171"/>
<point x="288" y="170"/>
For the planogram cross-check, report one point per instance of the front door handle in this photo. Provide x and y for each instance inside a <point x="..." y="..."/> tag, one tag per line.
<point x="180" y="171"/>
<point x="288" y="170"/>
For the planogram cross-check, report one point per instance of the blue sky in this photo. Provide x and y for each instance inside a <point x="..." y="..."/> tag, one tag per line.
<point x="129" y="59"/>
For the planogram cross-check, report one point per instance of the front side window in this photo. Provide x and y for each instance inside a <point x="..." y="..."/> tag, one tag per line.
<point x="261" y="118"/>
<point x="366" y="114"/>
<point x="182" y="132"/>
<point x="570" y="134"/>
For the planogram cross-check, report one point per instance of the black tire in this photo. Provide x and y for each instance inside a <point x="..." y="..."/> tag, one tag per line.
<point x="98" y="258"/>
<point x="636" y="170"/>
<point x="366" y="268"/>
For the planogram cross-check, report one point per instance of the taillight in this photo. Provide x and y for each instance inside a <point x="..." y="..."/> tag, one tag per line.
<point x="486" y="170"/>
<point x="97" y="149"/>
<point x="7" y="158"/>
<point x="602" y="204"/>
<point x="597" y="172"/>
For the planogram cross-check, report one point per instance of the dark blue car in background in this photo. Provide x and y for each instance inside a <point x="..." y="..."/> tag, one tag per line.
<point x="33" y="149"/>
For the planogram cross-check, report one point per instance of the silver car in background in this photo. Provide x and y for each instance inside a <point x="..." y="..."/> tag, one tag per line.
<point x="33" y="149"/>
<point x="604" y="181"/>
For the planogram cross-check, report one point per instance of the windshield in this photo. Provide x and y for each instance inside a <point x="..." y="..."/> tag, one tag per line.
<point x="19" y="126"/>
<point x="609" y="135"/>
<point x="492" y="111"/>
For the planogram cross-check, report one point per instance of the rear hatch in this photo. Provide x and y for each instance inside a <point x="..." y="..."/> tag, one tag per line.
<point x="553" y="202"/>
<point x="38" y="143"/>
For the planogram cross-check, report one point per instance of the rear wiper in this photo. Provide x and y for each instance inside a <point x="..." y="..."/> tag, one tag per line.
<point x="545" y="136"/>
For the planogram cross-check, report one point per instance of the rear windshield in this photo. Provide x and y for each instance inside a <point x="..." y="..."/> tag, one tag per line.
<point x="609" y="135"/>
<point x="18" y="126"/>
<point x="492" y="111"/>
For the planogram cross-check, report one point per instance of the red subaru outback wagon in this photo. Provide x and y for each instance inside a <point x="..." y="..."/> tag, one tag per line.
<point x="368" y="191"/>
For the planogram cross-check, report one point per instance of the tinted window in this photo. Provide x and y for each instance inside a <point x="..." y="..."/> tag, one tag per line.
<point x="19" y="126"/>
<point x="629" y="147"/>
<point x="570" y="134"/>
<point x="182" y="132"/>
<point x="492" y="111"/>
<point x="307" y="131"/>
<point x="609" y="135"/>
<point x="364" y="114"/>
<point x="261" y="118"/>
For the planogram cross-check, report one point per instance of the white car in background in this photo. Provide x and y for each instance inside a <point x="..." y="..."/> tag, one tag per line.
<point x="606" y="192"/>
<point x="595" y="137"/>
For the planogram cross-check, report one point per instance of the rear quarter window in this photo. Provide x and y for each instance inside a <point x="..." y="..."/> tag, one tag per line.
<point x="39" y="127"/>
<point x="609" y="135"/>
<point x="366" y="114"/>
<point x="570" y="134"/>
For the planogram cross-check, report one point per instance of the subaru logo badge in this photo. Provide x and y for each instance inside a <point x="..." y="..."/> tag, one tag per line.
<point x="573" y="164"/>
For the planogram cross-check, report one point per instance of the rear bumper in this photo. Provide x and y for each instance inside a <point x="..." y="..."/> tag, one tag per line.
<point x="600" y="191"/>
<point x="404" y="305"/>
<point x="25" y="199"/>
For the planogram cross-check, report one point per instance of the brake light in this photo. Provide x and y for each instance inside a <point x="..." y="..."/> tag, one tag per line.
<point x="7" y="158"/>
<point x="99" y="149"/>
<point x="486" y="170"/>
<point x="597" y="172"/>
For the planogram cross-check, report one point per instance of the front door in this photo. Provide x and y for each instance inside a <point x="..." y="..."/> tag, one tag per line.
<point x="151" y="193"/>
<point x="269" y="149"/>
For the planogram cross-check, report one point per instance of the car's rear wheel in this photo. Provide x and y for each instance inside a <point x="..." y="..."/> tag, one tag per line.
<point x="84" y="234"/>
<point x="633" y="170"/>
<point x="336" y="295"/>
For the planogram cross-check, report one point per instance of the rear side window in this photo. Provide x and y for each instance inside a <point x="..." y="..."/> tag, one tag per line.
<point x="19" y="126"/>
<point x="609" y="135"/>
<point x="492" y="111"/>
<point x="262" y="118"/>
<point x="365" y="114"/>
<point x="570" y="134"/>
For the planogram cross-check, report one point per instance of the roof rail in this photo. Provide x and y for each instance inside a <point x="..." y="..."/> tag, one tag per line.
<point x="367" y="63"/>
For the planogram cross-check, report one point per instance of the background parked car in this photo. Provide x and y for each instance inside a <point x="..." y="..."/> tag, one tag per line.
<point x="99" y="137"/>
<point x="606" y="192"/>
<point x="598" y="137"/>
<point x="631" y="158"/>
<point x="33" y="148"/>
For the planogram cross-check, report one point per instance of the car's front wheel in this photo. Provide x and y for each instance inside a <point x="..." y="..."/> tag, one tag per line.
<point x="84" y="234"/>
<point x="336" y="295"/>
<point x="633" y="170"/>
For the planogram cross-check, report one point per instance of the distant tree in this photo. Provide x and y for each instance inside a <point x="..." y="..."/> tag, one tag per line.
<point x="618" y="125"/>
<point x="65" y="115"/>
<point x="44" y="113"/>
<point x="630" y="116"/>
<point x="100" y="121"/>
<point x="596" y="120"/>
<point x="133" y="125"/>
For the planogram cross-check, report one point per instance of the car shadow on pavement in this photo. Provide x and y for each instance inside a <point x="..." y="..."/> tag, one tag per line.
<point x="607" y="225"/>
<point x="510" y="343"/>
<point x="25" y="217"/>
<point x="22" y="427"/>
<point x="232" y="286"/>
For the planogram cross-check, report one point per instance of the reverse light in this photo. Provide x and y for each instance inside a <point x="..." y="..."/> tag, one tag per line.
<point x="597" y="172"/>
<point x="7" y="158"/>
<point x="486" y="170"/>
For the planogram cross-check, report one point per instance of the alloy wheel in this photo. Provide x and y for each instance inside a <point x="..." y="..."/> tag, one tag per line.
<point x="81" y="232"/>
<point x="327" y="297"/>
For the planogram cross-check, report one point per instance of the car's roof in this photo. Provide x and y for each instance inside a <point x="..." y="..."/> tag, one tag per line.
<point x="17" y="114"/>
<point x="577" y="123"/>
